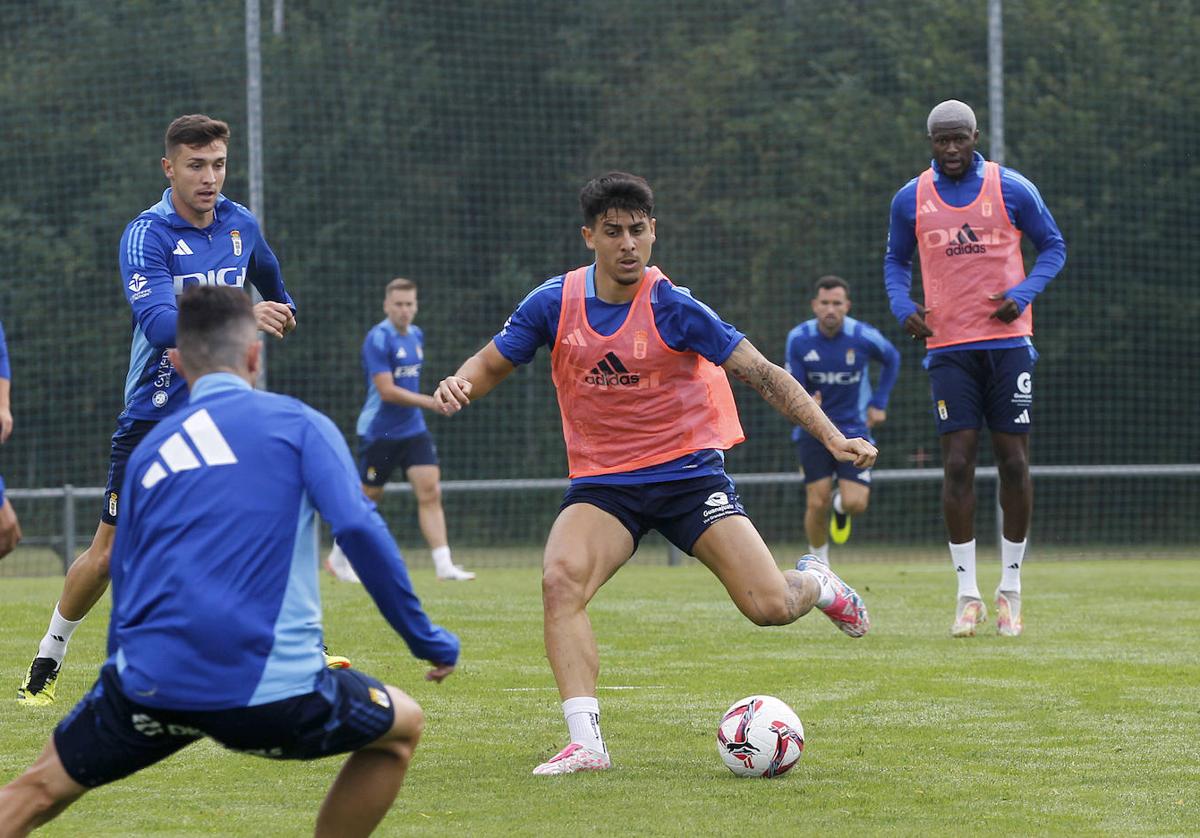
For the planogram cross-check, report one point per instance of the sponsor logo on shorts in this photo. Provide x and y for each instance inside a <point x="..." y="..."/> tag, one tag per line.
<point x="1023" y="418"/>
<point x="149" y="726"/>
<point x="865" y="475"/>
<point x="719" y="506"/>
<point x="1024" y="394"/>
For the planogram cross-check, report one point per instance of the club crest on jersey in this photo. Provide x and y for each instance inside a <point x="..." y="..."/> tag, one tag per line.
<point x="236" y="238"/>
<point x="640" y="344"/>
<point x="849" y="357"/>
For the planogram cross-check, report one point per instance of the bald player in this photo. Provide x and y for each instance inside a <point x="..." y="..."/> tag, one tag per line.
<point x="965" y="216"/>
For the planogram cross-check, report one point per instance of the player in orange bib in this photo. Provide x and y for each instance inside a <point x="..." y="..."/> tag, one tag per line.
<point x="640" y="368"/>
<point x="965" y="218"/>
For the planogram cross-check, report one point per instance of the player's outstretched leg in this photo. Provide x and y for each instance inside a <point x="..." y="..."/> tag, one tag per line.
<point x="838" y="601"/>
<point x="368" y="783"/>
<point x="86" y="582"/>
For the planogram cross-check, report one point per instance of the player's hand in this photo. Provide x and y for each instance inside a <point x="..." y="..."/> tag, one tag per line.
<point x="10" y="529"/>
<point x="439" y="672"/>
<point x="452" y="394"/>
<point x="875" y="416"/>
<point x="274" y="318"/>
<point x="915" y="324"/>
<point x="6" y="424"/>
<point x="1007" y="311"/>
<point x="855" y="450"/>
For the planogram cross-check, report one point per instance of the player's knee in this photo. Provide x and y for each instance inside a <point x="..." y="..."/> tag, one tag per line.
<point x="1013" y="468"/>
<point x="427" y="495"/>
<point x="855" y="506"/>
<point x="771" y="611"/>
<point x="407" y="726"/>
<point x="561" y="587"/>
<point x="958" y="467"/>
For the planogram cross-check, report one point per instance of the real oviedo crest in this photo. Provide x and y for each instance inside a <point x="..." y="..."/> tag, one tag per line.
<point x="236" y="238"/>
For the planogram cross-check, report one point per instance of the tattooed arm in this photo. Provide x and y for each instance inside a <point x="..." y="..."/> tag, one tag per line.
<point x="785" y="394"/>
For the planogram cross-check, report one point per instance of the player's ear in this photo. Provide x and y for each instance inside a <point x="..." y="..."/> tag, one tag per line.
<point x="167" y="168"/>
<point x="587" y="233"/>
<point x="653" y="235"/>
<point x="253" y="359"/>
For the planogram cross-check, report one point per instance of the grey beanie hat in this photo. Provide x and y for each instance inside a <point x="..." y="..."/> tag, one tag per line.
<point x="951" y="114"/>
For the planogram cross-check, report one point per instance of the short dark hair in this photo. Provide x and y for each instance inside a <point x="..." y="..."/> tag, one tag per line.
<point x="195" y="129"/>
<point x="830" y="281"/>
<point x="215" y="326"/>
<point x="400" y="284"/>
<point x="615" y="190"/>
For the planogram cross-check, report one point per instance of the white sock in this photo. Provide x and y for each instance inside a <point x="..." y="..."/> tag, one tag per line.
<point x="827" y="595"/>
<point x="583" y="722"/>
<point x="963" y="558"/>
<point x="441" y="559"/>
<point x="1012" y="554"/>
<point x="837" y="504"/>
<point x="822" y="552"/>
<point x="54" y="644"/>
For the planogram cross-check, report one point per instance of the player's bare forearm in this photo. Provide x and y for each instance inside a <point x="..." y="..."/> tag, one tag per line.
<point x="781" y="391"/>
<point x="390" y="393"/>
<point x="478" y="375"/>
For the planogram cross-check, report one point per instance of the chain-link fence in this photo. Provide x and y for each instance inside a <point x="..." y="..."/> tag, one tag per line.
<point x="447" y="143"/>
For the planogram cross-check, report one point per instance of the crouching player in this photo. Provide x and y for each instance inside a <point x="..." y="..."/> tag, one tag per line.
<point x="216" y="619"/>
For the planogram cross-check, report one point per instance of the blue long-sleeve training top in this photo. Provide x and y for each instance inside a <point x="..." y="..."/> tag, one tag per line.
<point x="161" y="254"/>
<point x="216" y="601"/>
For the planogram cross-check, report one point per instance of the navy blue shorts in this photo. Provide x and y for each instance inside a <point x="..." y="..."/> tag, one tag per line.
<point x="974" y="385"/>
<point x="126" y="438"/>
<point x="818" y="463"/>
<point x="378" y="458"/>
<point x="106" y="736"/>
<point x="679" y="509"/>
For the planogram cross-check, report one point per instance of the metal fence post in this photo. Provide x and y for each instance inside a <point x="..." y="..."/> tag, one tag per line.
<point x="68" y="526"/>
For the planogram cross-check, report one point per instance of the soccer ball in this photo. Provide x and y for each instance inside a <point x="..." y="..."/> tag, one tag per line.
<point x="760" y="736"/>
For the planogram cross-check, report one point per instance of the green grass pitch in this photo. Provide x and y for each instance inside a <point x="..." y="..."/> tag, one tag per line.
<point x="1089" y="724"/>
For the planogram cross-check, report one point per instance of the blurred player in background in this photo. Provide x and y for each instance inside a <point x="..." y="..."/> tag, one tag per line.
<point x="966" y="216"/>
<point x="10" y="527"/>
<point x="639" y="366"/>
<point x="216" y="620"/>
<point x="193" y="236"/>
<point x="830" y="356"/>
<point x="391" y="428"/>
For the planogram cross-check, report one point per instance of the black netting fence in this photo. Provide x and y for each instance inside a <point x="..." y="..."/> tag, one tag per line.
<point x="447" y="143"/>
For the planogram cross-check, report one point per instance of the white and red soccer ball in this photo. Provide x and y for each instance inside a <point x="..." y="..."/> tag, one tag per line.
<point x="760" y="736"/>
